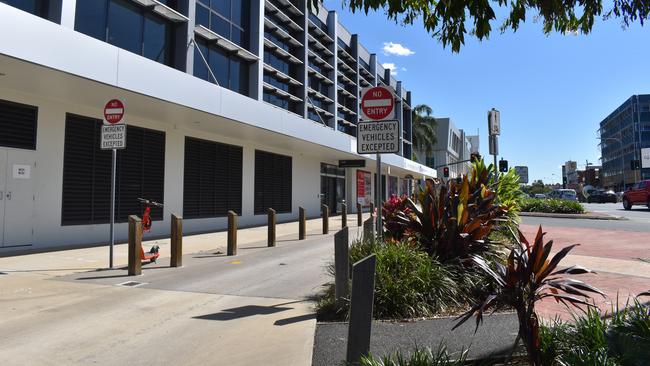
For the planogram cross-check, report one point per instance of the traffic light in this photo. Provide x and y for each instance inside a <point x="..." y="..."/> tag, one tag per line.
<point x="564" y="182"/>
<point x="635" y="164"/>
<point x="503" y="166"/>
<point x="473" y="157"/>
<point x="445" y="172"/>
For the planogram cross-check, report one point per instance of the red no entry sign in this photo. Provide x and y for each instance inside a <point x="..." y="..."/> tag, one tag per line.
<point x="114" y="111"/>
<point x="377" y="103"/>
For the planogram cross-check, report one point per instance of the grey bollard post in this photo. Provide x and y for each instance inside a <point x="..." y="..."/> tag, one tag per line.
<point x="361" y="301"/>
<point x="135" y="245"/>
<point x="232" y="233"/>
<point x="369" y="228"/>
<point x="176" y="242"/>
<point x="341" y="266"/>
<point x="326" y="218"/>
<point x="271" y="224"/>
<point x="344" y="215"/>
<point x="302" y="223"/>
<point x="359" y="214"/>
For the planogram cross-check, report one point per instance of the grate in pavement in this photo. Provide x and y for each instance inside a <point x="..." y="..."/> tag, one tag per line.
<point x="131" y="284"/>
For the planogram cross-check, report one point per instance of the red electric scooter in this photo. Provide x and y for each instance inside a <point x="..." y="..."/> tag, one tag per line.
<point x="153" y="253"/>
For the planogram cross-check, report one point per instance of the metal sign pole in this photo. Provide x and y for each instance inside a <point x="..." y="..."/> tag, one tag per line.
<point x="112" y="220"/>
<point x="379" y="195"/>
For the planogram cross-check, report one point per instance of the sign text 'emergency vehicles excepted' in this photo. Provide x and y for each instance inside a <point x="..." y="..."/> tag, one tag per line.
<point x="378" y="137"/>
<point x="113" y="137"/>
<point x="377" y="103"/>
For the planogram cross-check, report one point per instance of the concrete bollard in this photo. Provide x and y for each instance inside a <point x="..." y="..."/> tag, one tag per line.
<point x="232" y="233"/>
<point x="176" y="242"/>
<point x="325" y="212"/>
<point x="344" y="215"/>
<point x="361" y="301"/>
<point x="302" y="223"/>
<point x="341" y="266"/>
<point x="135" y="245"/>
<point x="271" y="225"/>
<point x="359" y="214"/>
<point x="369" y="228"/>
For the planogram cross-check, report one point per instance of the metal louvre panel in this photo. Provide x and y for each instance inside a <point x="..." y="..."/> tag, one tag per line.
<point x="212" y="179"/>
<point x="272" y="182"/>
<point x="87" y="173"/>
<point x="18" y="125"/>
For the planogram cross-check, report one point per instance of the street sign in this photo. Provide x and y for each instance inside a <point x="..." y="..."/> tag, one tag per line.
<point x="377" y="103"/>
<point x="494" y="122"/>
<point x="494" y="144"/>
<point x="645" y="158"/>
<point x="355" y="163"/>
<point x="113" y="111"/>
<point x="113" y="137"/>
<point x="522" y="172"/>
<point x="378" y="137"/>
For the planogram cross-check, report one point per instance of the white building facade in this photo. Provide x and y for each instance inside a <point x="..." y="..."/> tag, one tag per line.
<point x="230" y="105"/>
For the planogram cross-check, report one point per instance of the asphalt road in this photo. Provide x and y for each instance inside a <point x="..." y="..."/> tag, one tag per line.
<point x="637" y="219"/>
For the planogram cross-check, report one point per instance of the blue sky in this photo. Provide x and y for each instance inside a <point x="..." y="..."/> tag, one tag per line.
<point x="552" y="91"/>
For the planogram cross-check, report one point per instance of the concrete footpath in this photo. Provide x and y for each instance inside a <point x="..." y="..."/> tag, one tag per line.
<point x="65" y="308"/>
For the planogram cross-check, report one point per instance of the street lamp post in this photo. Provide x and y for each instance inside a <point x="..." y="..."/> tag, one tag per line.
<point x="620" y="142"/>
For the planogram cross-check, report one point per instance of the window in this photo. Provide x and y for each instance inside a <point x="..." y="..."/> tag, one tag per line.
<point x="228" y="18"/>
<point x="87" y="173"/>
<point x="272" y="182"/>
<point x="231" y="72"/>
<point x="18" y="125"/>
<point x="125" y="25"/>
<point x="37" y="7"/>
<point x="212" y="183"/>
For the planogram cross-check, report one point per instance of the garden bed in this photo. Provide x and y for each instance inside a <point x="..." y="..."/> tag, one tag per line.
<point x="493" y="339"/>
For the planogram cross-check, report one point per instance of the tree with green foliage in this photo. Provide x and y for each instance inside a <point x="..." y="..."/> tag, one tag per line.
<point x="424" y="129"/>
<point x="448" y="21"/>
<point x="535" y="188"/>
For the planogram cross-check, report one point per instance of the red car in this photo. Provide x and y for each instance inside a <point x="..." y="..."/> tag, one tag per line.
<point x="639" y="194"/>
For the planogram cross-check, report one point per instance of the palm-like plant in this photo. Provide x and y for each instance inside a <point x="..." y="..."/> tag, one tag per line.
<point x="529" y="276"/>
<point x="424" y="129"/>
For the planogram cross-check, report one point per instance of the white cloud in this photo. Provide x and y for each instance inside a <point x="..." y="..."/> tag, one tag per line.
<point x="396" y="49"/>
<point x="391" y="66"/>
<point x="403" y="68"/>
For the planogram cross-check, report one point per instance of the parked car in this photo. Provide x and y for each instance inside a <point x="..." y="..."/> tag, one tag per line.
<point x="602" y="196"/>
<point x="540" y="195"/>
<point x="639" y="194"/>
<point x="564" y="194"/>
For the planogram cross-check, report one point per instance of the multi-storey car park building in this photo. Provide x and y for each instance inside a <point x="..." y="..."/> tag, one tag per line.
<point x="230" y="105"/>
<point x="622" y="135"/>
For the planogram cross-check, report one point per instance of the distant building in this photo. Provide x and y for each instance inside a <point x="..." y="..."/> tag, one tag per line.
<point x="622" y="135"/>
<point x="474" y="142"/>
<point x="571" y="171"/>
<point x="452" y="146"/>
<point x="590" y="176"/>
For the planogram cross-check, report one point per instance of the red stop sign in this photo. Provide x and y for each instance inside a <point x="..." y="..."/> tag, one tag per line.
<point x="377" y="103"/>
<point x="114" y="111"/>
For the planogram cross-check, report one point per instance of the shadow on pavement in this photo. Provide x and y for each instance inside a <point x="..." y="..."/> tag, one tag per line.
<point x="101" y="277"/>
<point x="295" y="319"/>
<point x="242" y="312"/>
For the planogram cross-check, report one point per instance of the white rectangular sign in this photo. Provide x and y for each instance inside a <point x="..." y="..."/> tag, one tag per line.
<point x="113" y="137"/>
<point x="378" y="137"/>
<point x="645" y="158"/>
<point x="522" y="172"/>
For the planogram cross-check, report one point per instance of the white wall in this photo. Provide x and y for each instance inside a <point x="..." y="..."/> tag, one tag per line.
<point x="48" y="177"/>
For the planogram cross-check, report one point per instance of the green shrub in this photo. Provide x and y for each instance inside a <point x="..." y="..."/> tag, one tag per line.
<point x="409" y="283"/>
<point x="599" y="339"/>
<point x="551" y="206"/>
<point x="419" y="357"/>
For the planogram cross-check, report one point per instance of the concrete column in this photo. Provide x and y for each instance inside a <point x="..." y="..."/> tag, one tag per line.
<point x="185" y="33"/>
<point x="332" y="21"/>
<point x="257" y="47"/>
<point x="399" y="116"/>
<point x="373" y="67"/>
<point x="303" y="56"/>
<point x="65" y="12"/>
<point x="354" y="45"/>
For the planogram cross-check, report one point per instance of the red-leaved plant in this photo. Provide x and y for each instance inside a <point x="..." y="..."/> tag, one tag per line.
<point x="527" y="277"/>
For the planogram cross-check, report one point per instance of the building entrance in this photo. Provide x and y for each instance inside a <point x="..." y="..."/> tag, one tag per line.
<point x="332" y="187"/>
<point x="16" y="197"/>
